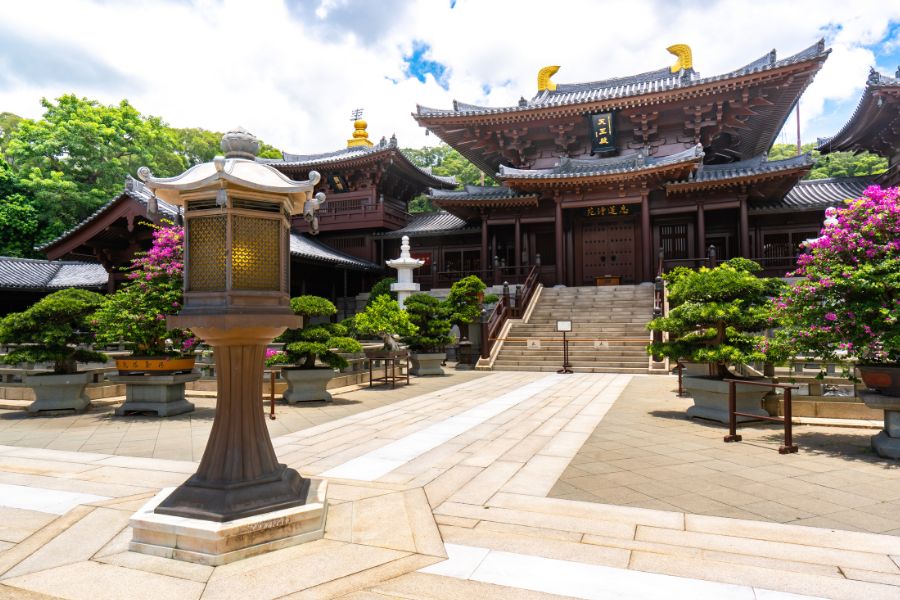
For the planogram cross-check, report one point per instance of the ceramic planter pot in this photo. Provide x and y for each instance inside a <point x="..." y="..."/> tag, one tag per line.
<point x="885" y="381"/>
<point x="58" y="392"/>
<point x="307" y="385"/>
<point x="427" y="363"/>
<point x="711" y="399"/>
<point x="155" y="365"/>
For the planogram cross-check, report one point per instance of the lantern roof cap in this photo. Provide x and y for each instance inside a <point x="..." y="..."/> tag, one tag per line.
<point x="240" y="172"/>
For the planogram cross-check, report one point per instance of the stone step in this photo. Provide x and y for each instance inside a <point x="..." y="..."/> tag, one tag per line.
<point x="554" y="368"/>
<point x="579" y="354"/>
<point x="635" y="364"/>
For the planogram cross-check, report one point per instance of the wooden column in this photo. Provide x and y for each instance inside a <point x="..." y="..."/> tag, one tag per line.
<point x="646" y="236"/>
<point x="558" y="224"/>
<point x="484" y="245"/>
<point x="518" y="246"/>
<point x="701" y="231"/>
<point x="744" y="228"/>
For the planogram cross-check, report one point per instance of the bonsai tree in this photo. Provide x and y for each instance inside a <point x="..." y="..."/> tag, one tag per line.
<point x="382" y="288"/>
<point x="315" y="341"/>
<point x="54" y="330"/>
<point x="384" y="318"/>
<point x="429" y="316"/>
<point x="136" y="312"/>
<point x="714" y="315"/>
<point x="465" y="300"/>
<point x="848" y="300"/>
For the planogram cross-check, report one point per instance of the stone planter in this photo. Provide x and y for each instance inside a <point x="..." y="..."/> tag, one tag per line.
<point x="711" y="399"/>
<point x="162" y="394"/>
<point x="427" y="364"/>
<point x="58" y="392"/>
<point x="886" y="383"/>
<point x="307" y="385"/>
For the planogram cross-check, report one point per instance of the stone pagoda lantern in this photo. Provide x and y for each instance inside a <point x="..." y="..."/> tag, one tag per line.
<point x="241" y="500"/>
<point x="404" y="265"/>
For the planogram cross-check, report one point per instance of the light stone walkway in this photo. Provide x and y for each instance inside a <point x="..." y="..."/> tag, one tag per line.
<point x="646" y="453"/>
<point x="460" y="513"/>
<point x="183" y="437"/>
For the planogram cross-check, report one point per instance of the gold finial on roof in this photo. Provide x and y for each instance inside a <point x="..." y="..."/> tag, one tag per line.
<point x="360" y="135"/>
<point x="544" y="76"/>
<point x="685" y="60"/>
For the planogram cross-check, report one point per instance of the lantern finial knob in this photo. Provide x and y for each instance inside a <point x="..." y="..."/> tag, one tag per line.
<point x="240" y="143"/>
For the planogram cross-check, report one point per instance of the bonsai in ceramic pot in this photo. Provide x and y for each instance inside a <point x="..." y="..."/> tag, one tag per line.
<point x="306" y="381"/>
<point x="847" y="303"/>
<point x="427" y="345"/>
<point x="714" y="316"/>
<point x="54" y="330"/>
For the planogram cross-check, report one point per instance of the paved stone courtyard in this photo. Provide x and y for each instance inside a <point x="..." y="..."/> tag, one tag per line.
<point x="183" y="437"/>
<point x="443" y="493"/>
<point x="645" y="453"/>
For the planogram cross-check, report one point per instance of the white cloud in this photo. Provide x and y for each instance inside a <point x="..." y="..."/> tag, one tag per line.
<point x="292" y="72"/>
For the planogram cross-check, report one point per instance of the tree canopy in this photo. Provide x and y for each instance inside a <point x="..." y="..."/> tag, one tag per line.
<point x="835" y="164"/>
<point x="60" y="168"/>
<point x="444" y="161"/>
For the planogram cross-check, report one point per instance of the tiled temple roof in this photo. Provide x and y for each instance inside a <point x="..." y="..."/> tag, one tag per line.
<point x="323" y="159"/>
<point x="852" y="135"/>
<point x="431" y="223"/>
<point x="304" y="247"/>
<point x="624" y="87"/>
<point x="742" y="171"/>
<point x="477" y="192"/>
<point x="29" y="274"/>
<point x="135" y="190"/>
<point x="816" y="194"/>
<point x="568" y="168"/>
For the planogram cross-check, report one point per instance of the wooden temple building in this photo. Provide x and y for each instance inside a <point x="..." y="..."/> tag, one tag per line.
<point x="600" y="182"/>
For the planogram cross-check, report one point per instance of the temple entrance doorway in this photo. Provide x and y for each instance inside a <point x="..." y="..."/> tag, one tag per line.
<point x="607" y="250"/>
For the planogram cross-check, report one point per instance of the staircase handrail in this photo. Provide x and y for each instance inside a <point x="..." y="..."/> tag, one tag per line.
<point x="503" y="310"/>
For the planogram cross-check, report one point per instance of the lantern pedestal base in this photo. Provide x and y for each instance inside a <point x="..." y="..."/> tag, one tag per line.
<point x="214" y="501"/>
<point x="214" y="543"/>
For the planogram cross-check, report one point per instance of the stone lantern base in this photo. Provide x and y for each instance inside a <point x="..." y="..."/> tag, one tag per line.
<point x="214" y="543"/>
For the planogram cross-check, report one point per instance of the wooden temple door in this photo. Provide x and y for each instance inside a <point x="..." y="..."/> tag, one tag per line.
<point x="608" y="250"/>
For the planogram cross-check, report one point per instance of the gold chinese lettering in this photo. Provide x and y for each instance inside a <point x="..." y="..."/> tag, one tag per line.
<point x="624" y="210"/>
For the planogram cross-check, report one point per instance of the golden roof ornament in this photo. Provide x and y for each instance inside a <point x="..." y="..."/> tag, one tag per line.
<point x="685" y="60"/>
<point x="544" y="76"/>
<point x="360" y="135"/>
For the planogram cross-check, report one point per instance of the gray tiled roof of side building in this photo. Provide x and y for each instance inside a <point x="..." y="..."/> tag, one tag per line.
<point x="305" y="247"/>
<point x="477" y="192"/>
<point x="47" y="275"/>
<point x="430" y="223"/>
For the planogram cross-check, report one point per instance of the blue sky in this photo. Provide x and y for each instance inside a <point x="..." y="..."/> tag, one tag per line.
<point x="292" y="70"/>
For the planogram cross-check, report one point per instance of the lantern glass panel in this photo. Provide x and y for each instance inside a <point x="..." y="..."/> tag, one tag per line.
<point x="206" y="254"/>
<point x="255" y="253"/>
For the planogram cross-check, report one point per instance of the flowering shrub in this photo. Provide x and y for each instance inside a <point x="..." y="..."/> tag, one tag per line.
<point x="848" y="302"/>
<point x="275" y="357"/>
<point x="137" y="311"/>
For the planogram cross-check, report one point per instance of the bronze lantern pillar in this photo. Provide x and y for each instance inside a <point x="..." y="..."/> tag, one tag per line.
<point x="237" y="215"/>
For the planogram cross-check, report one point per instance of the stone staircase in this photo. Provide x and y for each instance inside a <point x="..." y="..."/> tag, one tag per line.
<point x="609" y="333"/>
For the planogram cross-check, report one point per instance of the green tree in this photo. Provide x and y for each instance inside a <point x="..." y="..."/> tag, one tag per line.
<point x="444" y="161"/>
<point x="54" y="329"/>
<point x="8" y="124"/>
<point x="384" y="318"/>
<point x="325" y="342"/>
<point x="429" y="316"/>
<point x="77" y="156"/>
<point x="835" y="164"/>
<point x="18" y="216"/>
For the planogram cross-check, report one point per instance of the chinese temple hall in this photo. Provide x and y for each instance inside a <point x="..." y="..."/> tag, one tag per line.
<point x="599" y="181"/>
